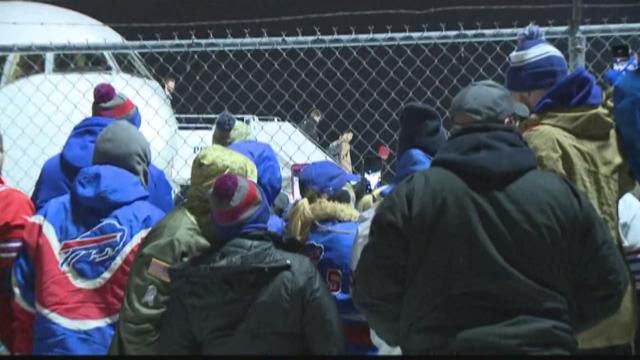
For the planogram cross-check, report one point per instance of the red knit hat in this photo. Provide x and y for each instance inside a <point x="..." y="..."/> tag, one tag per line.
<point x="108" y="103"/>
<point x="234" y="199"/>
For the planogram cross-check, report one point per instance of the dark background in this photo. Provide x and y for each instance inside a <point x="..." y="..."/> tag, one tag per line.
<point x="127" y="15"/>
<point x="360" y="89"/>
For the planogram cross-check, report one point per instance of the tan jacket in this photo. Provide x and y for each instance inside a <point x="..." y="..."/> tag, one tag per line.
<point x="582" y="145"/>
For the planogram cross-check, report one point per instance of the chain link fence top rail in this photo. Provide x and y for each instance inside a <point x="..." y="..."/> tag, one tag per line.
<point x="359" y="83"/>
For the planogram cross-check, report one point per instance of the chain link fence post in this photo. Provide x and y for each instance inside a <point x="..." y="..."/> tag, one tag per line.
<point x="577" y="41"/>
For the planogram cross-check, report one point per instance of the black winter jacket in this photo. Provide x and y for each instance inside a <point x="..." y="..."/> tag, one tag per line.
<point x="484" y="254"/>
<point x="250" y="298"/>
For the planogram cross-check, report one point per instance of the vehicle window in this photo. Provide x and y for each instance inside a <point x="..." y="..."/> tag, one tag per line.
<point x="26" y="65"/>
<point x="80" y="62"/>
<point x="130" y="64"/>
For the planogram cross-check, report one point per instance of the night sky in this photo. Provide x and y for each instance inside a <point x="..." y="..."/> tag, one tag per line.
<point x="128" y="13"/>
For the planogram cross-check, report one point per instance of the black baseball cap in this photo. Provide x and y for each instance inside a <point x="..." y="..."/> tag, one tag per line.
<point x="487" y="102"/>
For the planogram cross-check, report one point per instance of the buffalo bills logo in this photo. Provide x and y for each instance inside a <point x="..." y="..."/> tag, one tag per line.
<point x="334" y="280"/>
<point x="314" y="251"/>
<point x="92" y="253"/>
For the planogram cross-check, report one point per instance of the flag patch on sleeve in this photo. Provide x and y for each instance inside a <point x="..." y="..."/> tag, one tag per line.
<point x="159" y="270"/>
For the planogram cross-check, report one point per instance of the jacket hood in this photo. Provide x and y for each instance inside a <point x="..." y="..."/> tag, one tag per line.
<point x="626" y="99"/>
<point x="266" y="161"/>
<point x="104" y="188"/>
<point x="325" y="210"/>
<point x="587" y="123"/>
<point x="303" y="216"/>
<point x="412" y="161"/>
<point x="122" y="145"/>
<point x="209" y="164"/>
<point x="78" y="150"/>
<point x="486" y="156"/>
<point x="578" y="89"/>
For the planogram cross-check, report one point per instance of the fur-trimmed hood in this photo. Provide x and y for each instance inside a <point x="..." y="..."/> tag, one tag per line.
<point x="304" y="217"/>
<point x="325" y="210"/>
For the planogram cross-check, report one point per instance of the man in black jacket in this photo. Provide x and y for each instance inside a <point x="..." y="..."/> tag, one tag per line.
<point x="248" y="297"/>
<point x="483" y="253"/>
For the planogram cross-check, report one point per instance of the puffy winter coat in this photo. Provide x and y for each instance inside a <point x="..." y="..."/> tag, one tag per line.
<point x="626" y="108"/>
<point x="70" y="276"/>
<point x="184" y="233"/>
<point x="573" y="135"/>
<point x="16" y="209"/>
<point x="250" y="298"/>
<point x="484" y="254"/>
<point x="57" y="174"/>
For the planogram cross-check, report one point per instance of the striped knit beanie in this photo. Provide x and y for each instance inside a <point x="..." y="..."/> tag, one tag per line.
<point x="234" y="201"/>
<point x="535" y="64"/>
<point x="108" y="103"/>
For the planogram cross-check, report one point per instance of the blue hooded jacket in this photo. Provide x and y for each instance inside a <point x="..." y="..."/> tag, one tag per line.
<point x="82" y="256"/>
<point x="411" y="161"/>
<point x="269" y="175"/>
<point x="58" y="173"/>
<point x="578" y="89"/>
<point x="626" y="109"/>
<point x="266" y="161"/>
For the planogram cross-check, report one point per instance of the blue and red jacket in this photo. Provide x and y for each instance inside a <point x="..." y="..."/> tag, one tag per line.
<point x="15" y="210"/>
<point x="70" y="277"/>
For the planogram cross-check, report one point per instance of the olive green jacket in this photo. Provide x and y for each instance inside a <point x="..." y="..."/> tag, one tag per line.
<point x="582" y="145"/>
<point x="184" y="233"/>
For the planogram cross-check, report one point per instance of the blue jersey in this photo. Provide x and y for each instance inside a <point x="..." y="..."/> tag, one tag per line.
<point x="330" y="245"/>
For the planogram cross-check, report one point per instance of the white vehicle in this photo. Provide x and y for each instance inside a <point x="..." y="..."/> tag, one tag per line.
<point x="43" y="95"/>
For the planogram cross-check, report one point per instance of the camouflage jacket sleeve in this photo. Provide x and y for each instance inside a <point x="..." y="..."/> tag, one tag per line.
<point x="147" y="292"/>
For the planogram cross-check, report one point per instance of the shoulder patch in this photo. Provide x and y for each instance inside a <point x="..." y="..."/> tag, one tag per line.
<point x="150" y="295"/>
<point x="159" y="270"/>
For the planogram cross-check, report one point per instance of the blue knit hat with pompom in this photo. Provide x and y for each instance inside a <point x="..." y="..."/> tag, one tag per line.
<point x="535" y="64"/>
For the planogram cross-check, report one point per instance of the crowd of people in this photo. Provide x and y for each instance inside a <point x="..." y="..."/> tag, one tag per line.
<point x="514" y="232"/>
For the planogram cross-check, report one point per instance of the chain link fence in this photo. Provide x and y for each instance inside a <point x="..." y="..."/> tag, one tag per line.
<point x="352" y="83"/>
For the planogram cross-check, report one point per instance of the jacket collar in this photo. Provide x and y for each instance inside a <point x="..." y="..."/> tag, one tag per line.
<point x="590" y="123"/>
